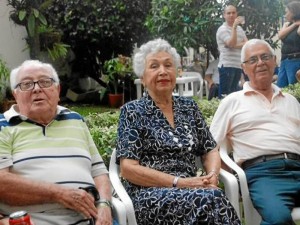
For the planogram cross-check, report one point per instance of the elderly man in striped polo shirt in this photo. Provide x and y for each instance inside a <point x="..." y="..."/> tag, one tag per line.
<point x="49" y="164"/>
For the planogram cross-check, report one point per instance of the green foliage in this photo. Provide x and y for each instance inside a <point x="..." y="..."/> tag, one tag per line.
<point x="103" y="128"/>
<point x="115" y="70"/>
<point x="193" y="23"/>
<point x="190" y="23"/>
<point x="85" y="110"/>
<point x="31" y="14"/>
<point x="262" y="18"/>
<point x="58" y="50"/>
<point x="208" y="108"/>
<point x="4" y="79"/>
<point x="293" y="89"/>
<point x="98" y="30"/>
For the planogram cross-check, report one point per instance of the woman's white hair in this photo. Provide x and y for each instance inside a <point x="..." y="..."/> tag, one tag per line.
<point x="32" y="64"/>
<point x="153" y="46"/>
<point x="252" y="42"/>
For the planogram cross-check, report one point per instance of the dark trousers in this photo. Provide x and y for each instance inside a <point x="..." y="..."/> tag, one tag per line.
<point x="229" y="80"/>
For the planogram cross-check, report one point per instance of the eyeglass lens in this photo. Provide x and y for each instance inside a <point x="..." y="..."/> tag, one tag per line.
<point x="255" y="59"/>
<point x="29" y="85"/>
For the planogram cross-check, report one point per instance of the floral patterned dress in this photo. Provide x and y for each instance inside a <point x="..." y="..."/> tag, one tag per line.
<point x="144" y="134"/>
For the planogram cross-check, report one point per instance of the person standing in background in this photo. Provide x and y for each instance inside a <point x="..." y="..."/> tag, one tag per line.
<point x="298" y="75"/>
<point x="230" y="39"/>
<point x="212" y="77"/>
<point x="290" y="50"/>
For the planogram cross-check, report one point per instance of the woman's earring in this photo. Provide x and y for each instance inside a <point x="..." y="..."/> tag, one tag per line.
<point x="145" y="92"/>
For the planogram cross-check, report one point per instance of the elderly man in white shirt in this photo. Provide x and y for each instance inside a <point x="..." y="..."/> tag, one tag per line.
<point x="262" y="124"/>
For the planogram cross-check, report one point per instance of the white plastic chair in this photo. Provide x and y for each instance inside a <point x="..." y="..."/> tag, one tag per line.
<point x="250" y="213"/>
<point x="114" y="175"/>
<point x="228" y="179"/>
<point x="202" y="83"/>
<point x="119" y="211"/>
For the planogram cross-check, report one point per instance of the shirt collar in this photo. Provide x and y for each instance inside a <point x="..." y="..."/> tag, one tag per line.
<point x="150" y="106"/>
<point x="248" y="89"/>
<point x="13" y="113"/>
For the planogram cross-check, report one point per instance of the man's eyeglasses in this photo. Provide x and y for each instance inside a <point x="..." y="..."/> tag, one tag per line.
<point x="254" y="59"/>
<point x="30" y="84"/>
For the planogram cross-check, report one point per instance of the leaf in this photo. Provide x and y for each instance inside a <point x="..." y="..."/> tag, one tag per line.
<point x="42" y="19"/>
<point x="22" y="15"/>
<point x="31" y="25"/>
<point x="36" y="13"/>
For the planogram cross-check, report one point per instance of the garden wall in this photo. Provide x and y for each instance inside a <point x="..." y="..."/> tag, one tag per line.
<point x="12" y="43"/>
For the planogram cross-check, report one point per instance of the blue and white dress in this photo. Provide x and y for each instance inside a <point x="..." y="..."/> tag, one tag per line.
<point x="144" y="134"/>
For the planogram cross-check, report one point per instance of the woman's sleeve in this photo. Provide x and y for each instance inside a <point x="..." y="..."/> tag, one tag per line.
<point x="129" y="140"/>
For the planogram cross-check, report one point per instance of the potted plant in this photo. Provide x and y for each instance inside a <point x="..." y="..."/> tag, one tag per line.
<point x="30" y="14"/>
<point x="114" y="71"/>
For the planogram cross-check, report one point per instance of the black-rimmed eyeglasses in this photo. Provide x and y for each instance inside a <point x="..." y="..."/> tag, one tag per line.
<point x="254" y="59"/>
<point x="30" y="84"/>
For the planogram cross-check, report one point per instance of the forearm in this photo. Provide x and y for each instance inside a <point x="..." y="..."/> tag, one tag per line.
<point x="285" y="30"/>
<point x="18" y="191"/>
<point x="231" y="43"/>
<point x="144" y="176"/>
<point x="241" y="44"/>
<point x="212" y="161"/>
<point x="103" y="186"/>
<point x="148" y="177"/>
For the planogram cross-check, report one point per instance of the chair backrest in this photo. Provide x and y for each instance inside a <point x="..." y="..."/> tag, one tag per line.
<point x="251" y="215"/>
<point x="189" y="86"/>
<point x="114" y="175"/>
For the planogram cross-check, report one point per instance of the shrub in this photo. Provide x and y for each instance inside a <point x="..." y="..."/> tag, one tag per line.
<point x="293" y="89"/>
<point x="4" y="80"/>
<point x="208" y="108"/>
<point x="103" y="128"/>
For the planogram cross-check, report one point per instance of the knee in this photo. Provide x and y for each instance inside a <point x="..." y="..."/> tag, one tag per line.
<point x="277" y="218"/>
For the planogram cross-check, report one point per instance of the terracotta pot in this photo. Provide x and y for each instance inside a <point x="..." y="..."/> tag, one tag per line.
<point x="115" y="100"/>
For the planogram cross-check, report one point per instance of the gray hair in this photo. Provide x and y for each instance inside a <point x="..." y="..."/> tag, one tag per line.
<point x="154" y="46"/>
<point x="252" y="42"/>
<point x="32" y="64"/>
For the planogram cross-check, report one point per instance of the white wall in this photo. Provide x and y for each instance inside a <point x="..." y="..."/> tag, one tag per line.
<point x="12" y="41"/>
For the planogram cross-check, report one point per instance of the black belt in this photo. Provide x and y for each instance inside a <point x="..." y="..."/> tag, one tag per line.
<point x="291" y="55"/>
<point x="265" y="158"/>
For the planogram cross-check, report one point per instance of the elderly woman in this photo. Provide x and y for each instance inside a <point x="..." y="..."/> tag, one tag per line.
<point x="159" y="138"/>
<point x="290" y="50"/>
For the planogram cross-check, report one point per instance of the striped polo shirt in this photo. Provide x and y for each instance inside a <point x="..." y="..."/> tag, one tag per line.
<point x="229" y="57"/>
<point x="63" y="152"/>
